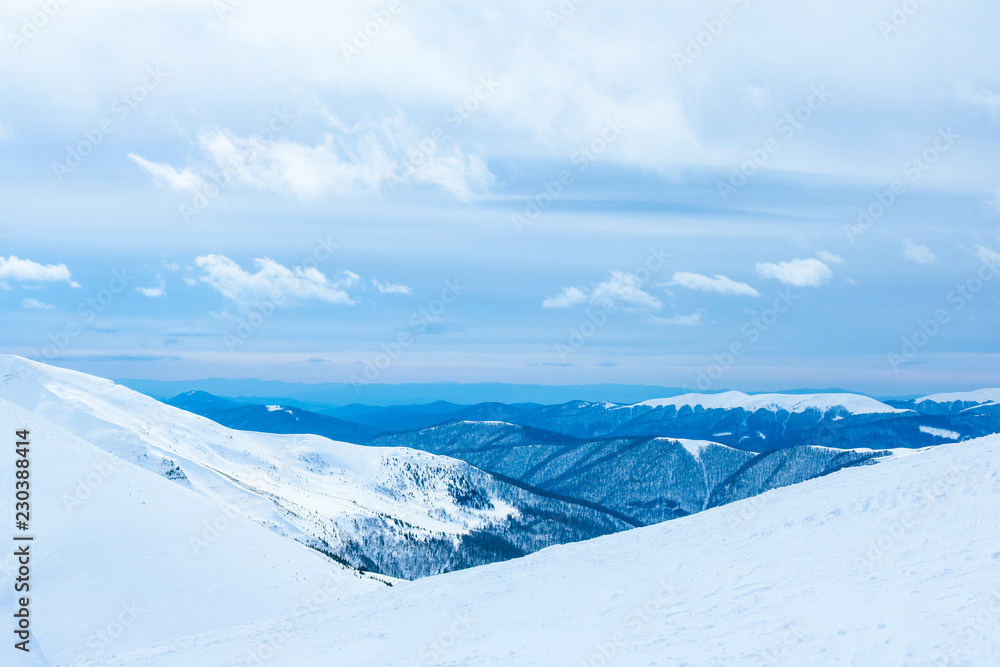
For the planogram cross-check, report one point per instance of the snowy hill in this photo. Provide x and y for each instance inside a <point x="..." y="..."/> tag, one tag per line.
<point x="981" y="402"/>
<point x="978" y="396"/>
<point x="399" y="512"/>
<point x="117" y="545"/>
<point x="853" y="404"/>
<point x="895" y="564"/>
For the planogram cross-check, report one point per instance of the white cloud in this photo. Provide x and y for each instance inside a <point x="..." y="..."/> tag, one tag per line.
<point x="917" y="253"/>
<point x="829" y="257"/>
<point x="35" y="304"/>
<point x="163" y="173"/>
<point x="389" y="288"/>
<point x="692" y="320"/>
<point x="719" y="283"/>
<point x="569" y="297"/>
<point x="797" y="272"/>
<point x="968" y="92"/>
<point x="273" y="282"/>
<point x="24" y="270"/>
<point x="153" y="292"/>
<point x="620" y="288"/>
<point x="987" y="255"/>
<point x="345" y="161"/>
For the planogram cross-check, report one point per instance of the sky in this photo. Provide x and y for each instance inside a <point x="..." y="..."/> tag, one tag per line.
<point x="737" y="194"/>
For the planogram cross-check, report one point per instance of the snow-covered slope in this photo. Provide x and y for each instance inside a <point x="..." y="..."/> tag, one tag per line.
<point x="122" y="557"/>
<point x="851" y="403"/>
<point x="896" y="564"/>
<point x="396" y="511"/>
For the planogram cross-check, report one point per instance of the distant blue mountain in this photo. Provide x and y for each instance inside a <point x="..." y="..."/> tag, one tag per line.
<point x="344" y="394"/>
<point x="271" y="418"/>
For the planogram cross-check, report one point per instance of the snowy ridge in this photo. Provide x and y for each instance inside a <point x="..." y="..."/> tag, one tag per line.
<point x="729" y="400"/>
<point x="977" y="396"/>
<point x="892" y="565"/>
<point x="398" y="511"/>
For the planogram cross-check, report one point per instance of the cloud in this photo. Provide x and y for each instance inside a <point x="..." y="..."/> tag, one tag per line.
<point x="720" y="284"/>
<point x="692" y="320"/>
<point x="569" y="297"/>
<point x="389" y="288"/>
<point x="165" y="174"/>
<point x="273" y="282"/>
<point x="344" y="161"/>
<point x="987" y="255"/>
<point x="623" y="287"/>
<point x="153" y="292"/>
<point x="829" y="257"/>
<point x="917" y="253"/>
<point x="797" y="272"/>
<point x="35" y="304"/>
<point x="620" y="288"/>
<point x="968" y="92"/>
<point x="24" y="270"/>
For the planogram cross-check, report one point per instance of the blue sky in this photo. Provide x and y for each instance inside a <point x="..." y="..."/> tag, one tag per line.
<point x="533" y="192"/>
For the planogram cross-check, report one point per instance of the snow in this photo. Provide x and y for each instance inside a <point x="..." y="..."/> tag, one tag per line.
<point x="895" y="564"/>
<point x="977" y="396"/>
<point x="696" y="447"/>
<point x="272" y="408"/>
<point x="113" y="539"/>
<point x="974" y="408"/>
<point x="852" y="403"/>
<point x="940" y="432"/>
<point x="303" y="487"/>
